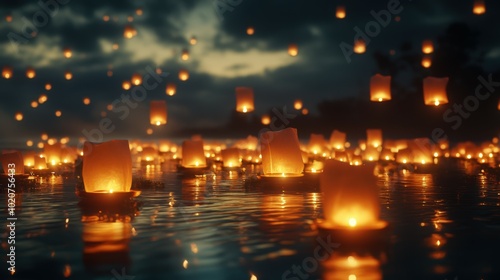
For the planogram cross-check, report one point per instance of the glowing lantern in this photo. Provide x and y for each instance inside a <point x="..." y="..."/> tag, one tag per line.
<point x="40" y="163"/>
<point x="138" y="12"/>
<point x="340" y="12"/>
<point x="8" y="18"/>
<point x="479" y="7"/>
<point x="359" y="46"/>
<point x="126" y="85"/>
<point x="230" y="157"/>
<point x="244" y="99"/>
<point x="19" y="116"/>
<point x="29" y="158"/>
<point x="34" y="104"/>
<point x="281" y="154"/>
<point x="250" y="30"/>
<point x="12" y="163"/>
<point x="337" y="140"/>
<point x="293" y="50"/>
<point x="297" y="104"/>
<point x="105" y="18"/>
<point x="86" y="100"/>
<point x="305" y="111"/>
<point x="129" y="32"/>
<point x="404" y="156"/>
<point x="52" y="153"/>
<point x="42" y="98"/>
<point x="426" y="62"/>
<point x="265" y="120"/>
<point x="170" y="90"/>
<point x="435" y="91"/>
<point x="193" y="41"/>
<point x="350" y="196"/>
<point x="371" y="154"/>
<point x="374" y="137"/>
<point x="158" y="112"/>
<point x="185" y="55"/>
<point x="48" y="86"/>
<point x="498" y="106"/>
<point x="68" y="75"/>
<point x="427" y="47"/>
<point x="317" y="143"/>
<point x="68" y="154"/>
<point x="183" y="75"/>
<point x="193" y="155"/>
<point x="7" y="72"/>
<point x="136" y="79"/>
<point x="58" y="113"/>
<point x="30" y="73"/>
<point x="380" y="88"/>
<point x="67" y="53"/>
<point x="107" y="166"/>
<point x="149" y="153"/>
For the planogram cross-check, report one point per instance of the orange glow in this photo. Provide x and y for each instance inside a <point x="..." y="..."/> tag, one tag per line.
<point x="67" y="53"/>
<point x="34" y="104"/>
<point x="183" y="75"/>
<point x="170" y="90"/>
<point x="427" y="47"/>
<point x="185" y="55"/>
<point x="129" y="32"/>
<point x="426" y="62"/>
<point x="193" y="154"/>
<point x="136" y="79"/>
<point x="479" y="7"/>
<point x="244" y="99"/>
<point x="250" y="30"/>
<point x="126" y="85"/>
<point x="7" y="72"/>
<point x="297" y="104"/>
<point x="138" y="12"/>
<point x="359" y="46"/>
<point x="19" y="116"/>
<point x="305" y="111"/>
<point x="86" y="101"/>
<point x="340" y="12"/>
<point x="282" y="155"/>
<point x="68" y="75"/>
<point x="266" y="119"/>
<point x="48" y="86"/>
<point x="30" y="73"/>
<point x="293" y="50"/>
<point x="193" y="41"/>
<point x="58" y="113"/>
<point x="158" y="112"/>
<point x="42" y="98"/>
<point x="380" y="88"/>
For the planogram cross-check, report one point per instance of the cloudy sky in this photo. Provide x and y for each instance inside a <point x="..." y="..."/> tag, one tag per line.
<point x="224" y="56"/>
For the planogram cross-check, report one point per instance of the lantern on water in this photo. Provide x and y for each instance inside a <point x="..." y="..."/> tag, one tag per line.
<point x="193" y="155"/>
<point x="281" y="154"/>
<point x="297" y="104"/>
<point x="230" y="157"/>
<point x="435" y="91"/>
<point x="380" y="88"/>
<point x="337" y="140"/>
<point x="136" y="79"/>
<point x="40" y="163"/>
<point x="170" y="89"/>
<point x="185" y="55"/>
<point x="359" y="46"/>
<point x="317" y="143"/>
<point x="12" y="163"/>
<point x="149" y="153"/>
<point x="183" y="75"/>
<point x="107" y="166"/>
<point x="426" y="62"/>
<point x="371" y="154"/>
<point x="427" y="47"/>
<point x="479" y="7"/>
<point x="340" y="12"/>
<point x="158" y="112"/>
<point x="52" y="153"/>
<point x="404" y="156"/>
<point x="30" y="73"/>
<point x="350" y="196"/>
<point x="244" y="99"/>
<point x="29" y="158"/>
<point x="374" y="137"/>
<point x="7" y="72"/>
<point x="293" y="50"/>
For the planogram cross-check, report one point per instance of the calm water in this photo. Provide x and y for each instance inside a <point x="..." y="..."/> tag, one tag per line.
<point x="445" y="225"/>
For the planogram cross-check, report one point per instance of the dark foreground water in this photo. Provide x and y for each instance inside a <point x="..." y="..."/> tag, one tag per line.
<point x="445" y="224"/>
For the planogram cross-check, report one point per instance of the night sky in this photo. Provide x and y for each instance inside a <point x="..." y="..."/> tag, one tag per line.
<point x="223" y="58"/>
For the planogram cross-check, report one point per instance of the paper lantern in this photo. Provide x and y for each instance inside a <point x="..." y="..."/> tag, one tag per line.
<point x="350" y="196"/>
<point x="266" y="120"/>
<point x="250" y="30"/>
<point x="374" y="137"/>
<point x="136" y="79"/>
<point x="185" y="55"/>
<point x="422" y="150"/>
<point x="12" y="163"/>
<point x="68" y="75"/>
<point x="193" y="41"/>
<point x="230" y="157"/>
<point x="426" y="62"/>
<point x="293" y="50"/>
<point x="40" y="163"/>
<point x="129" y="32"/>
<point x="126" y="85"/>
<point x="58" y="113"/>
<point x="380" y="88"/>
<point x="427" y="47"/>
<point x="340" y="12"/>
<point x="479" y="7"/>
<point x="67" y="53"/>
<point x="29" y="158"/>
<point x="317" y="143"/>
<point x="281" y="154"/>
<point x="107" y="166"/>
<point x="42" y="98"/>
<point x="7" y="72"/>
<point x="183" y="75"/>
<point x="359" y="46"/>
<point x="158" y="112"/>
<point x="404" y="156"/>
<point x="30" y="73"/>
<point x="244" y="99"/>
<point x="68" y="154"/>
<point x="8" y="18"/>
<point x="86" y="100"/>
<point x="148" y="154"/>
<point x="19" y="116"/>
<point x="386" y="154"/>
<point x="52" y="153"/>
<point x="435" y="91"/>
<point x="297" y="104"/>
<point x="170" y="89"/>
<point x="337" y="140"/>
<point x="193" y="155"/>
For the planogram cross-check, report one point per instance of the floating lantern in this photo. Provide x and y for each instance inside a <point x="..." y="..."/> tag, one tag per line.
<point x="126" y="85"/>
<point x="40" y="163"/>
<point x="67" y="53"/>
<point x="427" y="47"/>
<point x="350" y="197"/>
<point x="250" y="30"/>
<point x="170" y="89"/>
<point x="136" y="79"/>
<point x="19" y="116"/>
<point x="29" y="159"/>
<point x="185" y="55"/>
<point x="30" y="73"/>
<point x="12" y="163"/>
<point x="386" y="154"/>
<point x="158" y="112"/>
<point x="371" y="154"/>
<point x="42" y="98"/>
<point x="435" y="91"/>
<point x="7" y="72"/>
<point x="244" y="99"/>
<point x="479" y="7"/>
<point x="337" y="140"/>
<point x="359" y="46"/>
<point x="68" y="75"/>
<point x="380" y="88"/>
<point x="193" y="41"/>
<point x="129" y="32"/>
<point x="305" y="111"/>
<point x="68" y="154"/>
<point x="293" y="50"/>
<point x="34" y="104"/>
<point x="317" y="144"/>
<point x="193" y="155"/>
<point x="183" y="75"/>
<point x="265" y="120"/>
<point x="107" y="166"/>
<point x="86" y="100"/>
<point x="426" y="62"/>
<point x="281" y="154"/>
<point x="230" y="158"/>
<point x="297" y="104"/>
<point x="52" y="153"/>
<point x="48" y="86"/>
<point x="138" y="12"/>
<point x="149" y="154"/>
<point x="374" y="137"/>
<point x="404" y="156"/>
<point x="340" y="12"/>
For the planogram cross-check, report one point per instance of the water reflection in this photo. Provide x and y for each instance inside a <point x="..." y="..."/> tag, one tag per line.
<point x="353" y="266"/>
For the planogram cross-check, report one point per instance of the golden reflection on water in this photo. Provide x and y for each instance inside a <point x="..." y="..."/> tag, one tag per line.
<point x="343" y="266"/>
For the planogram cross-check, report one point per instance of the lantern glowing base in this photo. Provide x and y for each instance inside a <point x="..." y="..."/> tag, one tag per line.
<point x="106" y="196"/>
<point x="191" y="171"/>
<point x="373" y="236"/>
<point x="278" y="184"/>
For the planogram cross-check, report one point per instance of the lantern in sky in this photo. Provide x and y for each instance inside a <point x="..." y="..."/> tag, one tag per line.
<point x="380" y="88"/>
<point x="266" y="119"/>
<point x="170" y="89"/>
<point x="374" y="137"/>
<point x="30" y="73"/>
<point x="297" y="104"/>
<point x="435" y="91"/>
<point x="7" y="72"/>
<point x="48" y="86"/>
<point x="281" y="154"/>
<point x="193" y="41"/>
<point x="126" y="85"/>
<point x="426" y="61"/>
<point x="250" y="30"/>
<point x="86" y="100"/>
<point x="185" y="55"/>
<point x="340" y="12"/>
<point x="479" y="7"/>
<point x="68" y="75"/>
<point x="129" y="32"/>
<point x="359" y="46"/>
<point x="158" y="112"/>
<point x="67" y="53"/>
<point x="350" y="196"/>
<point x="12" y="163"/>
<point x="244" y="99"/>
<point x="136" y="79"/>
<point x="427" y="47"/>
<point x="8" y="18"/>
<point x="230" y="157"/>
<point x="58" y="113"/>
<point x="193" y="155"/>
<point x="183" y="75"/>
<point x="19" y="116"/>
<point x="107" y="166"/>
<point x="293" y="50"/>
